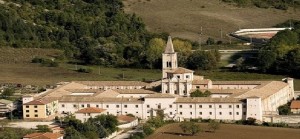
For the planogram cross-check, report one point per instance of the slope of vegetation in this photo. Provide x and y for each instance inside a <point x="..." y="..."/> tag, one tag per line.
<point x="278" y="4"/>
<point x="184" y="18"/>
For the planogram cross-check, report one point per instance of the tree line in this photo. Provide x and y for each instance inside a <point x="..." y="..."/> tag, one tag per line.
<point x="281" y="55"/>
<point x="93" y="32"/>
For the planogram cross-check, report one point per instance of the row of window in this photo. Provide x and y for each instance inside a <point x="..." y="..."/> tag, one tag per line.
<point x="35" y="106"/>
<point x="210" y="106"/>
<point x="27" y="115"/>
<point x="34" y="111"/>
<point x="148" y="106"/>
<point x="210" y="113"/>
<point x="107" y="106"/>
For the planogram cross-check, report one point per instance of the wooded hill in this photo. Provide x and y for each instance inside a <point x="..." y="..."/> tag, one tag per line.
<point x="92" y="31"/>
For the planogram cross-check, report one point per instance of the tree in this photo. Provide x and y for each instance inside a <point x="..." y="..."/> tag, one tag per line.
<point x="184" y="49"/>
<point x="198" y="93"/>
<point x="154" y="51"/>
<point x="43" y="128"/>
<point x="202" y="60"/>
<point x="210" y="41"/>
<point x="7" y="93"/>
<point x="266" y="59"/>
<point x="284" y="109"/>
<point x="190" y="127"/>
<point x="213" y="125"/>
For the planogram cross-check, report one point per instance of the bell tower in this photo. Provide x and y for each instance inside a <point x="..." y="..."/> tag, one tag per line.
<point x="169" y="58"/>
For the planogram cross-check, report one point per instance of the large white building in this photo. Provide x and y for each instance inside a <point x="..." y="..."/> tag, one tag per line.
<point x="229" y="100"/>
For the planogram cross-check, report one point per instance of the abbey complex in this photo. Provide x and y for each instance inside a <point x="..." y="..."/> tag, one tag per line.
<point x="229" y="100"/>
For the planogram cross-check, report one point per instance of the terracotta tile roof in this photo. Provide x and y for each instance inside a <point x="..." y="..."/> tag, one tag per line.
<point x="169" y="48"/>
<point x="180" y="70"/>
<point x="223" y="91"/>
<point x="265" y="90"/>
<point x="41" y="101"/>
<point x="160" y="95"/>
<point x="112" y="83"/>
<point x="295" y="104"/>
<point x="239" y="82"/>
<point x="206" y="100"/>
<point x="46" y="135"/>
<point x="97" y="99"/>
<point x="125" y="119"/>
<point x="91" y="110"/>
<point x="106" y="94"/>
<point x="134" y="91"/>
<point x="32" y="135"/>
<point x="205" y="81"/>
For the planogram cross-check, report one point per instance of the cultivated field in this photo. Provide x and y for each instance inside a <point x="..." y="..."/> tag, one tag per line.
<point x="228" y="131"/>
<point x="184" y="18"/>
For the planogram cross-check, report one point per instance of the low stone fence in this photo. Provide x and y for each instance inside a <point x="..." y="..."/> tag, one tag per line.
<point x="289" y="119"/>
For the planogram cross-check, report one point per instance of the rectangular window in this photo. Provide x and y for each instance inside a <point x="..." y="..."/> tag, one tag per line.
<point x="191" y="113"/>
<point x="35" y="106"/>
<point x="210" y="106"/>
<point x="27" y="106"/>
<point x="200" y="106"/>
<point x="230" y="106"/>
<point x="97" y="106"/>
<point x="148" y="106"/>
<point x="220" y="106"/>
<point x="136" y="112"/>
<point x="237" y="106"/>
<point x="220" y="113"/>
<point x="230" y="113"/>
<point x="136" y="106"/>
<point x="36" y="115"/>
<point x="237" y="113"/>
<point x="210" y="113"/>
<point x="170" y="106"/>
<point x="125" y="106"/>
<point x="117" y="106"/>
<point x="200" y="113"/>
<point x="180" y="113"/>
<point x="27" y="115"/>
<point x="187" y="76"/>
<point x="178" y="77"/>
<point x="27" y="110"/>
<point x="107" y="106"/>
<point x="74" y="105"/>
<point x="244" y="106"/>
<point x="191" y="106"/>
<point x="180" y="106"/>
<point x="170" y="113"/>
<point x="63" y="105"/>
<point x="89" y="114"/>
<point x="88" y="105"/>
<point x="197" y="87"/>
<point x="35" y="110"/>
<point x="244" y="113"/>
<point x="82" y="105"/>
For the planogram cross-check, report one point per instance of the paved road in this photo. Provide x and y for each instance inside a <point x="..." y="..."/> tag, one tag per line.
<point x="126" y="134"/>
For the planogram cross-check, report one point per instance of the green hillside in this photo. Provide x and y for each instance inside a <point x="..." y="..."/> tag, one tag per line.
<point x="184" y="18"/>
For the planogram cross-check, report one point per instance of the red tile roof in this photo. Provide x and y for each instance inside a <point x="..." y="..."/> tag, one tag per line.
<point x="46" y="135"/>
<point x="42" y="101"/>
<point x="91" y="110"/>
<point x="295" y="104"/>
<point x="124" y="118"/>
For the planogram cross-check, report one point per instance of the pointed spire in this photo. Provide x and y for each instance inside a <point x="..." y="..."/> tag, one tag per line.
<point x="169" y="48"/>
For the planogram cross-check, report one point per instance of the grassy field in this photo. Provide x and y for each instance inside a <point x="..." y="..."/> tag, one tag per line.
<point x="228" y="131"/>
<point x="15" y="67"/>
<point x="184" y="18"/>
